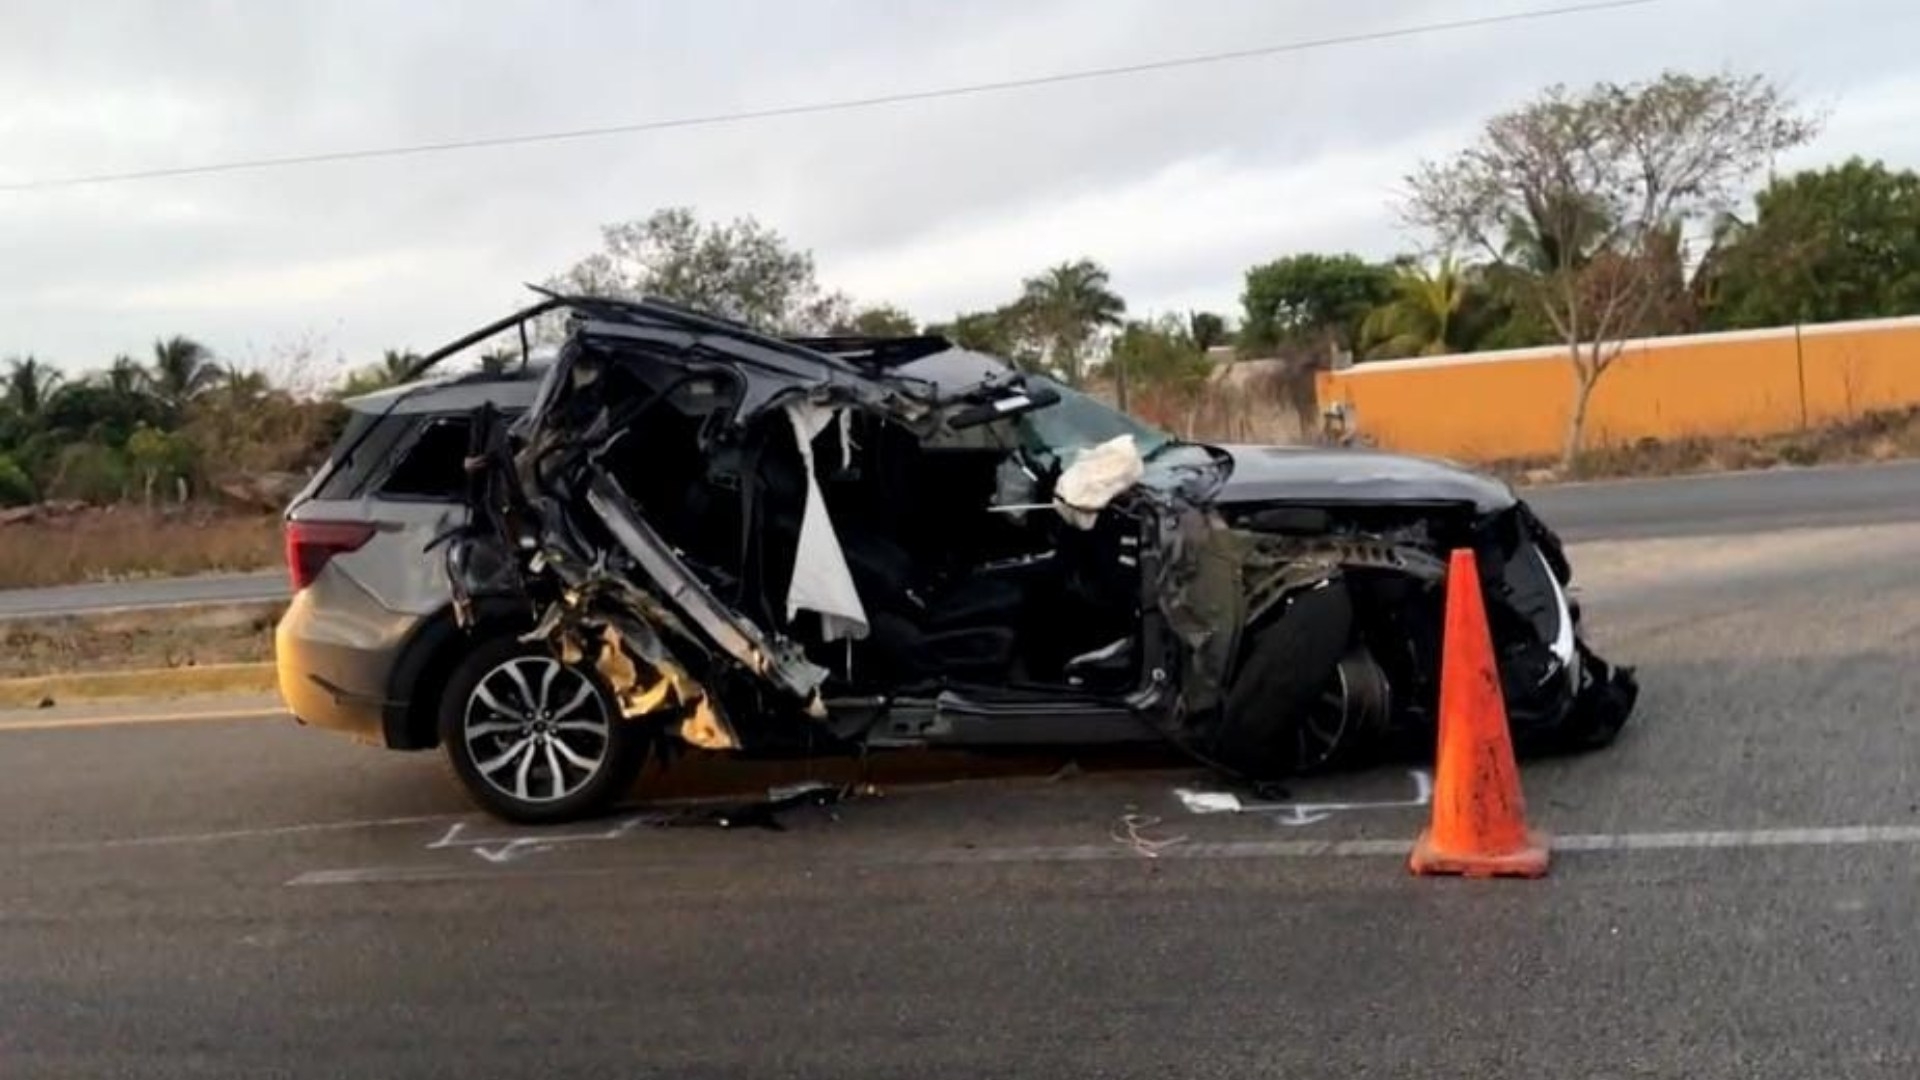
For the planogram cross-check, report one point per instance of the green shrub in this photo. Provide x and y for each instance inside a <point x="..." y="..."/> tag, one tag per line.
<point x="91" y="473"/>
<point x="16" y="488"/>
<point x="160" y="460"/>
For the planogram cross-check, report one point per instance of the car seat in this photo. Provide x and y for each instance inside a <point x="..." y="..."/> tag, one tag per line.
<point x="924" y="624"/>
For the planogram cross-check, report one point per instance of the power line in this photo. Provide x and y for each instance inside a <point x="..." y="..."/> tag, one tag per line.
<point x="840" y="105"/>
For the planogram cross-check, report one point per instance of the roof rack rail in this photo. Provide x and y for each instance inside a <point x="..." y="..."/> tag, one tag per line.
<point x="885" y="352"/>
<point x="840" y="351"/>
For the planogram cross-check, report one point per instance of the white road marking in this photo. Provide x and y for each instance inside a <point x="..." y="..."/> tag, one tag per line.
<point x="505" y="849"/>
<point x="386" y="875"/>
<point x="1297" y="813"/>
<point x="63" y="722"/>
<point x="225" y="836"/>
<point x="1709" y="840"/>
<point x="1838" y="836"/>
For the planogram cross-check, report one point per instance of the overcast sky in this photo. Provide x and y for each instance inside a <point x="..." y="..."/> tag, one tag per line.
<point x="1176" y="180"/>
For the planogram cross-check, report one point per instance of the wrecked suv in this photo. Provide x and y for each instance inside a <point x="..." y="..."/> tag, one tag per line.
<point x="679" y="532"/>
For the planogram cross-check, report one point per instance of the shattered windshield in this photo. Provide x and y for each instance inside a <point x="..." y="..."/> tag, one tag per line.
<point x="1078" y="421"/>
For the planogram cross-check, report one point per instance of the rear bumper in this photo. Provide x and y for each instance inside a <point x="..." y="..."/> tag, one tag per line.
<point x="335" y="650"/>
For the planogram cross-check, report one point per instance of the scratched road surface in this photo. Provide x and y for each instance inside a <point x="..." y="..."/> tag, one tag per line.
<point x="1735" y="896"/>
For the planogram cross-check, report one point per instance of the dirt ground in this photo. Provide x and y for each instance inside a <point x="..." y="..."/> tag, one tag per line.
<point x="184" y="637"/>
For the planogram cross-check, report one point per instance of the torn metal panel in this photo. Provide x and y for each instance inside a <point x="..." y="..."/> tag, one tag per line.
<point x="1278" y="566"/>
<point x="648" y="682"/>
<point x="1200" y="594"/>
<point x="778" y="660"/>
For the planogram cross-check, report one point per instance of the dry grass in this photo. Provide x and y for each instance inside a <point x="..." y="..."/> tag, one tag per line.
<point x="118" y="542"/>
<point x="1874" y="437"/>
<point x="192" y="637"/>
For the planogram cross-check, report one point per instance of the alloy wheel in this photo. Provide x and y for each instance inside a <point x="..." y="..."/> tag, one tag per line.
<point x="537" y="730"/>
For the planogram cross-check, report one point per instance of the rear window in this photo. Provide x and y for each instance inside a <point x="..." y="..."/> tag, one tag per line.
<point x="431" y="467"/>
<point x="360" y="452"/>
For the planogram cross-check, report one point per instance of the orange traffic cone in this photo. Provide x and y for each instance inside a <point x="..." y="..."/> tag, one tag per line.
<point x="1479" y="824"/>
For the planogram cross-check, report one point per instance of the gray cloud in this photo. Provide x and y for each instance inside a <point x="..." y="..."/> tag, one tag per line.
<point x="1178" y="180"/>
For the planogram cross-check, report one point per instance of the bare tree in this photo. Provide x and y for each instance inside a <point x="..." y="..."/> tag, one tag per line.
<point x="1573" y="194"/>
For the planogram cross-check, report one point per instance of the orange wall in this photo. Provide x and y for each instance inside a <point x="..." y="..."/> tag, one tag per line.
<point x="1514" y="405"/>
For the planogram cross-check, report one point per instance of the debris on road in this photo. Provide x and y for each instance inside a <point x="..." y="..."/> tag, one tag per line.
<point x="1135" y="836"/>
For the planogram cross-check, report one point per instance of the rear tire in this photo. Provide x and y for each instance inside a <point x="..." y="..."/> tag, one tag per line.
<point x="536" y="741"/>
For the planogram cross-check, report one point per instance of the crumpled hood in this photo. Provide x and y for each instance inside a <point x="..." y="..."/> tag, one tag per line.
<point x="1312" y="474"/>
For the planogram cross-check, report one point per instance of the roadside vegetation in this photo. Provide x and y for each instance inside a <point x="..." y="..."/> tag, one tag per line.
<point x="1874" y="437"/>
<point x="1581" y="218"/>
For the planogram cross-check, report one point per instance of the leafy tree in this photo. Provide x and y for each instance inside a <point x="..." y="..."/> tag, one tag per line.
<point x="97" y="410"/>
<point x="30" y="386"/>
<point x="1158" y="353"/>
<point x="160" y="459"/>
<point x="1837" y="243"/>
<point x="742" y="270"/>
<point x="1311" y="301"/>
<point x="1207" y="330"/>
<point x="1160" y="369"/>
<point x="1067" y="305"/>
<point x="1574" y="191"/>
<point x="182" y="370"/>
<point x="1005" y="332"/>
<point x="236" y="434"/>
<point x="878" y="320"/>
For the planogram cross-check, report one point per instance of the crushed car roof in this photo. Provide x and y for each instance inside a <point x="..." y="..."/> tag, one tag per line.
<point x="651" y="318"/>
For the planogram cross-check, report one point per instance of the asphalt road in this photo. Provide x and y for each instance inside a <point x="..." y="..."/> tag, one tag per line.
<point x="1722" y="504"/>
<point x="1733" y="895"/>
<point x="138" y="595"/>
<point x="1733" y="503"/>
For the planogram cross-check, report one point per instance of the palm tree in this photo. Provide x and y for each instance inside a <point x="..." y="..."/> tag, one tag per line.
<point x="125" y="377"/>
<point x="395" y="366"/>
<point x="242" y="384"/>
<point x="183" y="369"/>
<point x="30" y="386"/>
<point x="1069" y="304"/>
<point x="1420" y="320"/>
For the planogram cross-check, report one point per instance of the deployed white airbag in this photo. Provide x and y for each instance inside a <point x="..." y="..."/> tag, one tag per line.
<point x="1098" y="475"/>
<point x="821" y="581"/>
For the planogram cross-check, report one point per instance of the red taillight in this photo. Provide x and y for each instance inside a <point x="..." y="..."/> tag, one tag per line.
<point x="311" y="543"/>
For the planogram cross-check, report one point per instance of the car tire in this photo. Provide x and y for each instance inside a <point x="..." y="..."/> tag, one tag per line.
<point x="1286" y="666"/>
<point x="513" y="717"/>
